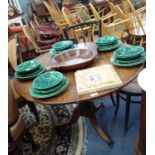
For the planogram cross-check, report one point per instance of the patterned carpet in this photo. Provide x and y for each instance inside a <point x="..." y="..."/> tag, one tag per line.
<point x="51" y="139"/>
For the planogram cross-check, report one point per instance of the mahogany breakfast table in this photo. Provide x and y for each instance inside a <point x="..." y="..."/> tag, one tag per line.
<point x="84" y="102"/>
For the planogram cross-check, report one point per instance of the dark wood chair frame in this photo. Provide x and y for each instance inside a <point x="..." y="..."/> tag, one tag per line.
<point x="81" y="26"/>
<point x="133" y="40"/>
<point x="127" y="98"/>
<point x="22" y="100"/>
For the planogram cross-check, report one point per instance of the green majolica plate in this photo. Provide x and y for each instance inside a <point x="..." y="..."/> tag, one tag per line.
<point x="28" y="66"/>
<point x="47" y="80"/>
<point x="64" y="48"/>
<point x="53" y="52"/>
<point x="30" y="75"/>
<point x="36" y="95"/>
<point x="115" y="62"/>
<point x="108" y="39"/>
<point x="128" y="51"/>
<point x="60" y="45"/>
<point x="53" y="89"/>
<point x="109" y="48"/>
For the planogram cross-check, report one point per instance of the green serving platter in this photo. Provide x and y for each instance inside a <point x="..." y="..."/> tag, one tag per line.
<point x="47" y="80"/>
<point x="53" y="89"/>
<point x="36" y="95"/>
<point x="28" y="66"/>
<point x="107" y="39"/>
<point x="109" y="48"/>
<point x="128" y="51"/>
<point x="62" y="44"/>
<point x="115" y="62"/>
<point x="30" y="75"/>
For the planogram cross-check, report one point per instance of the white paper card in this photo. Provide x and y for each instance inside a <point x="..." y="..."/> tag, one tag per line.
<point x="96" y="79"/>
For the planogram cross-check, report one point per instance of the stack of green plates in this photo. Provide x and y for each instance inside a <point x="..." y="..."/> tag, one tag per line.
<point x="48" y="84"/>
<point x="61" y="46"/>
<point x="107" y="43"/>
<point x="128" y="56"/>
<point x="29" y="70"/>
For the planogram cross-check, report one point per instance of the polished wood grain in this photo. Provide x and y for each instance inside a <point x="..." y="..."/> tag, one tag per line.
<point x="70" y="95"/>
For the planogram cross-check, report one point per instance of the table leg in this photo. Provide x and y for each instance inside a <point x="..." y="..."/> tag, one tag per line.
<point x="87" y="109"/>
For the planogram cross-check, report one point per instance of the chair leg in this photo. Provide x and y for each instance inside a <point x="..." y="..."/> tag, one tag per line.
<point x="34" y="110"/>
<point x="127" y="112"/>
<point x="112" y="99"/>
<point x="117" y="103"/>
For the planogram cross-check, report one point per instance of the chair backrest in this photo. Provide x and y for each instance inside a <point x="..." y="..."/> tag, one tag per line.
<point x="114" y="24"/>
<point x="84" y="32"/>
<point x="54" y="12"/>
<point x="120" y="14"/>
<point x="13" y="52"/>
<point x="71" y="20"/>
<point x="36" y="19"/>
<point x="33" y="26"/>
<point x="82" y="12"/>
<point x="129" y="9"/>
<point x="57" y="16"/>
<point x="31" y="35"/>
<point x="94" y="11"/>
<point x="55" y="6"/>
<point x="132" y="26"/>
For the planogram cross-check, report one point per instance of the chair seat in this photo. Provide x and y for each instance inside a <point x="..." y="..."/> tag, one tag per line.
<point x="132" y="87"/>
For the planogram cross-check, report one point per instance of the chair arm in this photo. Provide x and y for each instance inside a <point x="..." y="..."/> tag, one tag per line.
<point x="108" y="16"/>
<point x="120" y="22"/>
<point x="101" y="11"/>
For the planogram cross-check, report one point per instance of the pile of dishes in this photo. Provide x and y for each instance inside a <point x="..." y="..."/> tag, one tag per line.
<point x="107" y="43"/>
<point x="48" y="84"/>
<point x="128" y="56"/>
<point x="61" y="46"/>
<point x="29" y="70"/>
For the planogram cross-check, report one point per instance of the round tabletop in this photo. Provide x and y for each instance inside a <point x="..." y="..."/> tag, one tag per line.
<point x="70" y="95"/>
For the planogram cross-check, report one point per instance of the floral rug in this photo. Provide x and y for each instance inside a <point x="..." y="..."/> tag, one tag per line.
<point x="50" y="138"/>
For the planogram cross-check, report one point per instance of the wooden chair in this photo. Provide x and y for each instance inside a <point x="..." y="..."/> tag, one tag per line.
<point x="135" y="26"/>
<point x="69" y="17"/>
<point x="102" y="14"/>
<point x="14" y="59"/>
<point x="114" y="25"/>
<point x="137" y="17"/>
<point x="16" y="126"/>
<point x="57" y="16"/>
<point x="31" y="35"/>
<point x="83" y="13"/>
<point x="83" y="32"/>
